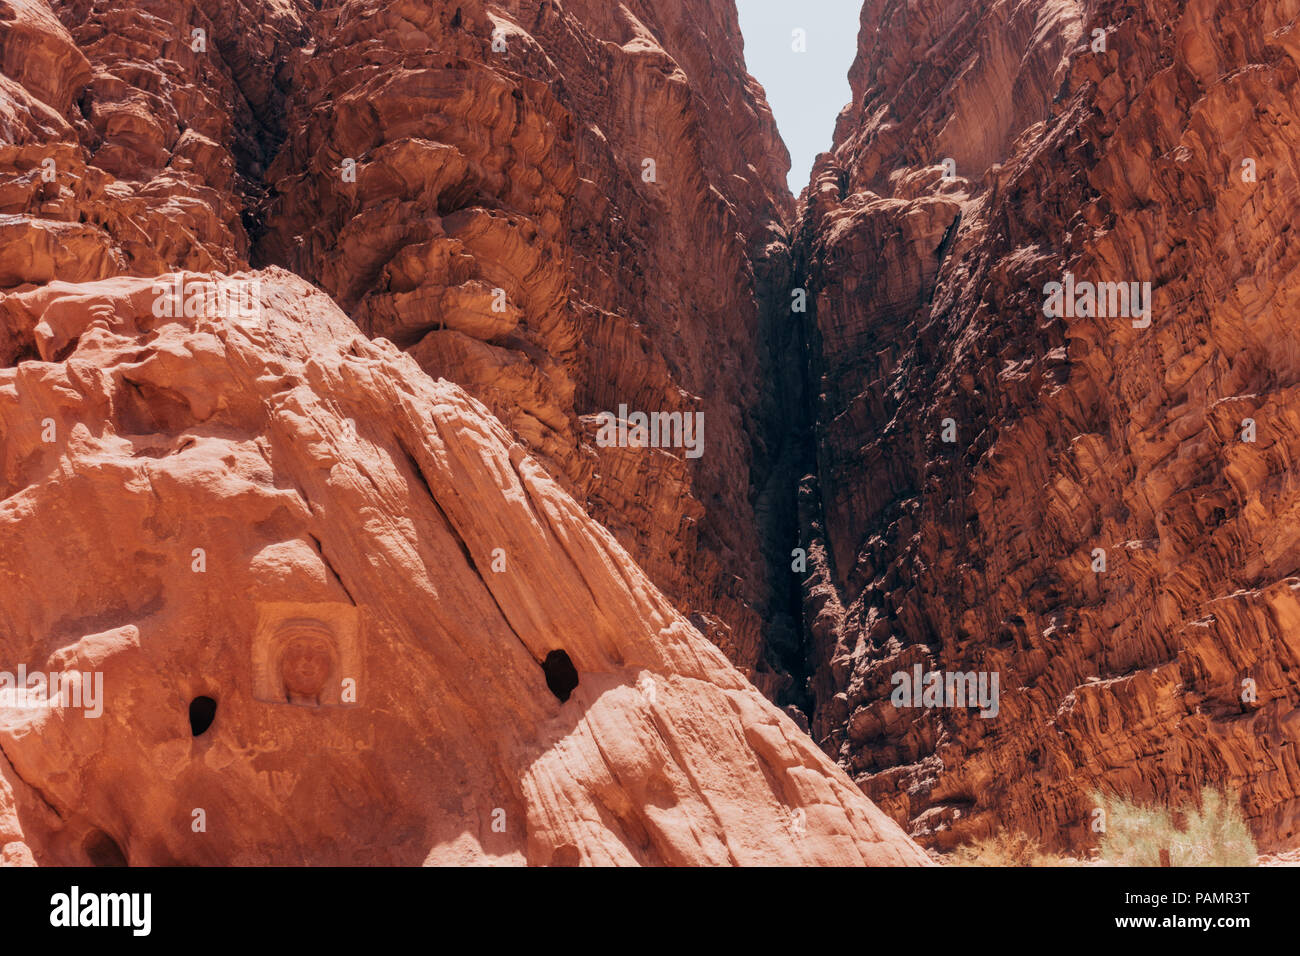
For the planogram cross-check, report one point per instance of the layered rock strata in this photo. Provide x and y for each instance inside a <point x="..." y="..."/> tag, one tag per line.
<point x="567" y="211"/>
<point x="539" y="202"/>
<point x="292" y="564"/>
<point x="1094" y="505"/>
<point x="130" y="136"/>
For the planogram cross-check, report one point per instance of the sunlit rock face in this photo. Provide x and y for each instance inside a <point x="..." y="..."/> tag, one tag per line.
<point x="980" y="459"/>
<point x="133" y="136"/>
<point x="333" y="567"/>
<point x="376" y="591"/>
<point x="568" y="209"/>
<point x="345" y="528"/>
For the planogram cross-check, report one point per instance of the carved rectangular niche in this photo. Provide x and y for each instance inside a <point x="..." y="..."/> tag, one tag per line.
<point x="307" y="654"/>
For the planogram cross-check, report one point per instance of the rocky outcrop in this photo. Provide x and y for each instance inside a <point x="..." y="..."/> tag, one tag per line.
<point x="128" y="142"/>
<point x="1093" y="508"/>
<point x="308" y="567"/>
<point x="344" y="528"/>
<point x="310" y="576"/>
<point x="539" y="202"/>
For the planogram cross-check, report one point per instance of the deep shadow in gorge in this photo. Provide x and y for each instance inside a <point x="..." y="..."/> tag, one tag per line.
<point x="783" y="456"/>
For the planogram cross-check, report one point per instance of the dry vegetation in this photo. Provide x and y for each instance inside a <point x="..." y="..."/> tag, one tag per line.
<point x="1211" y="832"/>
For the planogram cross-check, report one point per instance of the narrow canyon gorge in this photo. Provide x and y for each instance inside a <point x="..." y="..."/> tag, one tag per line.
<point x="432" y="432"/>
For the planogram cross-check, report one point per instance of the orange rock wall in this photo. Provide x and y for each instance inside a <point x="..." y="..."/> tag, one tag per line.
<point x="438" y="154"/>
<point x="360" y="584"/>
<point x="370" y="577"/>
<point x="1072" y="434"/>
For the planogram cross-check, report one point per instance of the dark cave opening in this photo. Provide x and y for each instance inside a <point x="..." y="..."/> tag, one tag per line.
<point x="103" y="850"/>
<point x="561" y="675"/>
<point x="203" y="711"/>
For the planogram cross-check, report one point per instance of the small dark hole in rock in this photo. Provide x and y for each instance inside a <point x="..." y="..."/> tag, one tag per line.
<point x="561" y="675"/>
<point x="203" y="710"/>
<point x="103" y="850"/>
<point x="566" y="855"/>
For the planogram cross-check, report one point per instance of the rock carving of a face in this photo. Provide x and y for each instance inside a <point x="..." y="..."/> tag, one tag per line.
<point x="305" y="665"/>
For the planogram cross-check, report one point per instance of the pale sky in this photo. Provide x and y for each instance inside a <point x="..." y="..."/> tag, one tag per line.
<point x="805" y="90"/>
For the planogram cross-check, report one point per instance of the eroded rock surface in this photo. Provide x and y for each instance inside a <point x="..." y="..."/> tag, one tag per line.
<point x="567" y="209"/>
<point x="1164" y="154"/>
<point x="129" y="143"/>
<point x="341" y="612"/>
<point x="516" y="216"/>
<point x="365" y="573"/>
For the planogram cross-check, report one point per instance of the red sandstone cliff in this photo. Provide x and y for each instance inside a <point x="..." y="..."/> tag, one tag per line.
<point x="373" y="524"/>
<point x="420" y="648"/>
<point x="537" y="201"/>
<point x="375" y="563"/>
<point x="1074" y="437"/>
